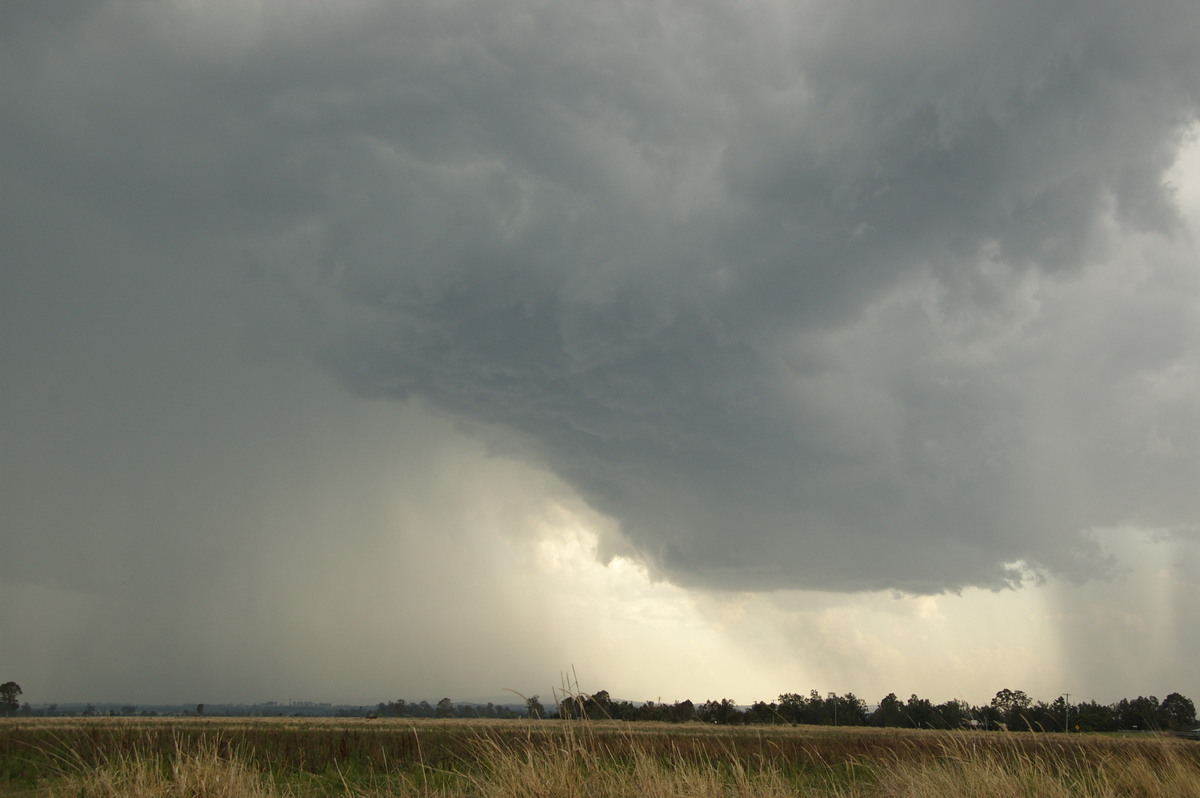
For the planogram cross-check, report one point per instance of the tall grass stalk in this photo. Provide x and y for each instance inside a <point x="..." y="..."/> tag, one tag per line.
<point x="202" y="772"/>
<point x="1156" y="768"/>
<point x="597" y="758"/>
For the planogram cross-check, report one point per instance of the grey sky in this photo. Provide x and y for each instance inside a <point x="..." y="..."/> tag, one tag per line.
<point x="845" y="297"/>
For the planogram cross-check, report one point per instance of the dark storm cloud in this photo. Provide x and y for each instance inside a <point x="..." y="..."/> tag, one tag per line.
<point x="796" y="293"/>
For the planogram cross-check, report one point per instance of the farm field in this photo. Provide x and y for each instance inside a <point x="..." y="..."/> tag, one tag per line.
<point x="200" y="757"/>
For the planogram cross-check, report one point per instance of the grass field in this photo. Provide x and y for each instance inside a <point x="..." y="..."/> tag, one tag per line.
<point x="200" y="757"/>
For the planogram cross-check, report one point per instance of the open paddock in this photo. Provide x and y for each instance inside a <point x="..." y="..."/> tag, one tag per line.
<point x="502" y="758"/>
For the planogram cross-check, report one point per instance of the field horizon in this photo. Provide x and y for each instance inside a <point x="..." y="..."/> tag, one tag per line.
<point x="202" y="756"/>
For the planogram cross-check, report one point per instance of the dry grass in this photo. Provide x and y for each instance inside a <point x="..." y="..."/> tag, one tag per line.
<point x="1058" y="769"/>
<point x="201" y="773"/>
<point x="198" y="759"/>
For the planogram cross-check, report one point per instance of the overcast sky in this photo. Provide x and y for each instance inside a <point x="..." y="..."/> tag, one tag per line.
<point x="362" y="350"/>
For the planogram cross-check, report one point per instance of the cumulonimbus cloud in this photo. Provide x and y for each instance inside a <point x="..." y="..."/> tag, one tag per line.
<point x="798" y="298"/>
<point x="837" y="295"/>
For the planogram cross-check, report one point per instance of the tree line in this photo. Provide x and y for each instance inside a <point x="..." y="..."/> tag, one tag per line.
<point x="446" y="709"/>
<point x="1012" y="710"/>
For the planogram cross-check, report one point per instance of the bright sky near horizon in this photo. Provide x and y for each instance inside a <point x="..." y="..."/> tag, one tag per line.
<point x="406" y="350"/>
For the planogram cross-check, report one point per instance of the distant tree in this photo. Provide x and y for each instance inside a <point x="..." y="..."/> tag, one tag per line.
<point x="1177" y="712"/>
<point x="624" y="710"/>
<point x="852" y="710"/>
<point x="1090" y="716"/>
<point x="8" y="698"/>
<point x="650" y="711"/>
<point x="890" y="712"/>
<point x="683" y="711"/>
<point x="791" y="707"/>
<point x="1140" y="713"/>
<point x="570" y="707"/>
<point x="919" y="712"/>
<point x="1046" y="717"/>
<point x="534" y="708"/>
<point x="762" y="712"/>
<point x="445" y="708"/>
<point x="669" y="713"/>
<point x="1010" y="705"/>
<point x="953" y="714"/>
<point x="600" y="705"/>
<point x="820" y="709"/>
<point x="199" y="709"/>
<point x="723" y="712"/>
<point x="1054" y="716"/>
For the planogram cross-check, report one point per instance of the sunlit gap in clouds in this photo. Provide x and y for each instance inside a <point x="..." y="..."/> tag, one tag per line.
<point x="636" y="632"/>
<point x="1097" y="640"/>
<point x="624" y="631"/>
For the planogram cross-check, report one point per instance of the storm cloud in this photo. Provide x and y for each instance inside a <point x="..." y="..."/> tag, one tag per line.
<point x="803" y="295"/>
<point x="789" y="293"/>
<point x="848" y="296"/>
